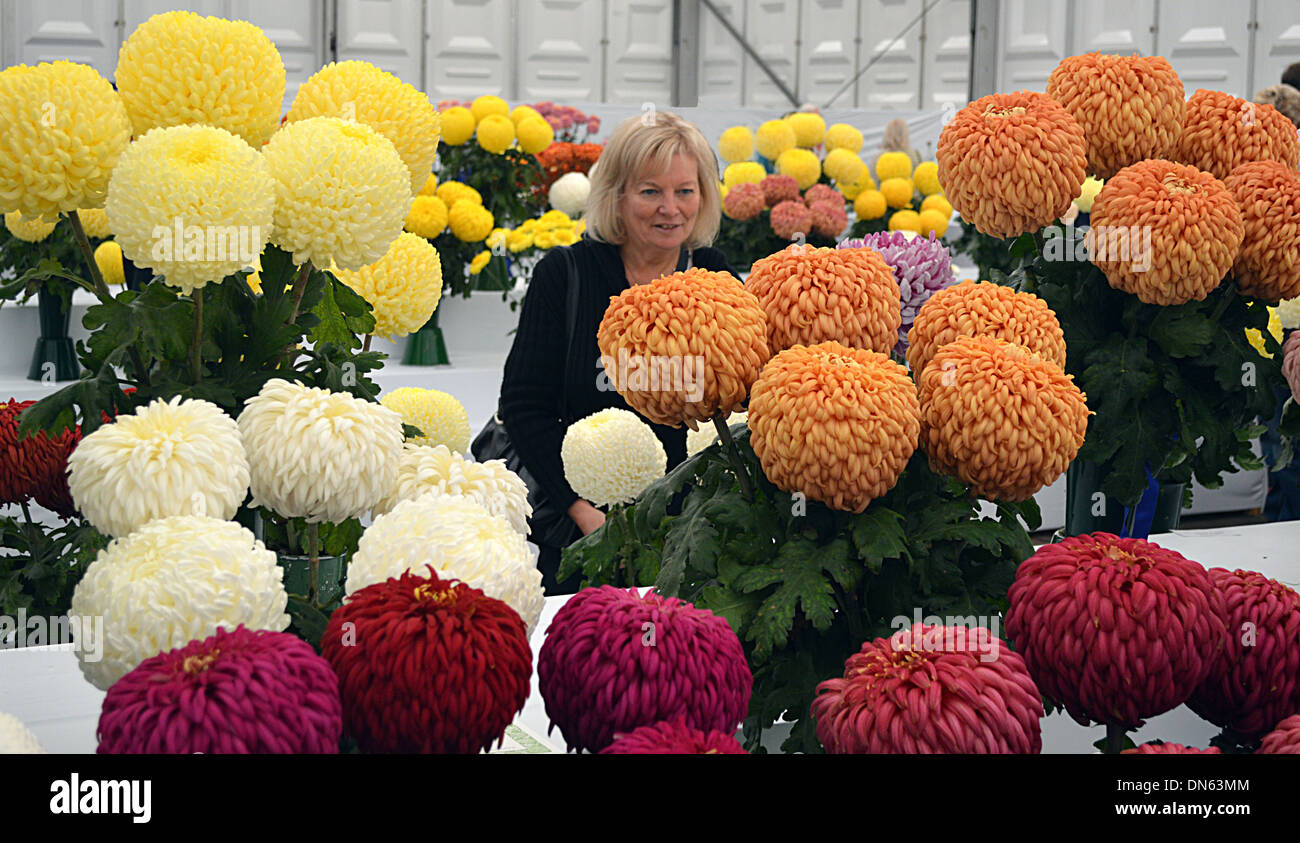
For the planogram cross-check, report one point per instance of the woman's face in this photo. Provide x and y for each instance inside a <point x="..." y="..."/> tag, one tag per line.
<point x="659" y="209"/>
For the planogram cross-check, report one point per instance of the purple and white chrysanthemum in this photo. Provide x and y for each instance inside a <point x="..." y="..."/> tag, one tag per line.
<point x="922" y="267"/>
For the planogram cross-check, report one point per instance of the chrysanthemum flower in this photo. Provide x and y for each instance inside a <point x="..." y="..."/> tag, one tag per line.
<point x="906" y="220"/>
<point x="698" y="440"/>
<point x="736" y="144"/>
<point x="893" y="165"/>
<point x="1116" y="630"/>
<point x="1283" y="740"/>
<point x="167" y="458"/>
<point x="487" y="105"/>
<point x="495" y="133"/>
<point x="1268" y="196"/>
<point x="837" y="424"/>
<point x="469" y="222"/>
<point x="614" y="660"/>
<point x="1256" y="339"/>
<point x="403" y="287"/>
<point x="778" y="188"/>
<point x="569" y="193"/>
<point x="801" y="165"/>
<point x="870" y="205"/>
<point x="1288" y="310"/>
<point x="791" y="219"/>
<point x="829" y="219"/>
<point x="1257" y="682"/>
<point x="809" y="128"/>
<point x="1291" y="363"/>
<point x="359" y="91"/>
<point x="172" y="581"/>
<point x="451" y="192"/>
<point x="427" y="665"/>
<point x="815" y="294"/>
<point x="684" y="347"/>
<point x="1012" y="163"/>
<point x="844" y="166"/>
<point x="342" y="192"/>
<point x="1170" y="749"/>
<point x="442" y="419"/>
<point x="926" y="178"/>
<point x="457" y="125"/>
<point x="29" y="229"/>
<point x="922" y="267"/>
<point x="427" y="218"/>
<point x="425" y="468"/>
<point x="316" y="454"/>
<point x="180" y="68"/>
<point x="31" y="467"/>
<point x="235" y="692"/>
<point x="1165" y="232"/>
<point x="430" y="187"/>
<point x="673" y="738"/>
<point x="75" y="130"/>
<point x="94" y="221"/>
<point x="984" y="309"/>
<point x="999" y="418"/>
<point x="743" y="172"/>
<point x="535" y="134"/>
<point x="773" y="138"/>
<point x="611" y="455"/>
<point x="857" y="188"/>
<point x="1129" y="107"/>
<point x="211" y="193"/>
<point x="744" y="202"/>
<point x="522" y="112"/>
<point x="822" y="193"/>
<point x="932" y="222"/>
<point x="937" y="202"/>
<point x="17" y="739"/>
<point x="843" y="136"/>
<point x="898" y="192"/>
<point x="1221" y="132"/>
<point x="479" y="262"/>
<point x="1088" y="194"/>
<point x="931" y="689"/>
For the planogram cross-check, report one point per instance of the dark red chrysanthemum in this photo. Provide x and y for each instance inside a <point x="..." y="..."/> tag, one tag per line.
<point x="778" y="189"/>
<point x="35" y="467"/>
<point x="1170" y="749"/>
<point x="673" y="738"/>
<point x="614" y="660"/>
<point x="1283" y="740"/>
<point x="428" y="665"/>
<point x="1257" y="682"/>
<point x="235" y="692"/>
<point x="931" y="689"/>
<point x="1116" y="630"/>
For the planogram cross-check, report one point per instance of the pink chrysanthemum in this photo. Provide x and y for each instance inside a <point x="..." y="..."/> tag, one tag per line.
<point x="778" y="188"/>
<point x="1291" y="363"/>
<point x="1283" y="740"/>
<point x="922" y="267"/>
<point x="673" y="738"/>
<point x="1170" y="749"/>
<point x="790" y="219"/>
<point x="744" y="202"/>
<point x="822" y="193"/>
<point x="829" y="218"/>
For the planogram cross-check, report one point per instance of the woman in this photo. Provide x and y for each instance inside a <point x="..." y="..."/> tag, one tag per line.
<point x="653" y="209"/>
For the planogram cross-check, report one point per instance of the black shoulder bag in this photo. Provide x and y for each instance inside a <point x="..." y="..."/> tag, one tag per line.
<point x="549" y="525"/>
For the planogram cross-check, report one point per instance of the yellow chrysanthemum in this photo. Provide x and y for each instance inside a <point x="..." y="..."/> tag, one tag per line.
<point x="357" y="90"/>
<point x="933" y="222"/>
<point x="898" y="192"/>
<point x="844" y="166"/>
<point x="1256" y="339"/>
<point x="809" y="129"/>
<point x="1288" y="311"/>
<point x="535" y="134"/>
<point x="743" y="172"/>
<point x="457" y="125"/>
<point x="430" y="187"/>
<point x="554" y="218"/>
<point x="801" y="164"/>
<point x="611" y="455"/>
<point x="64" y="130"/>
<point x="470" y="223"/>
<point x="180" y="68"/>
<point x="428" y="217"/>
<point x="497" y="239"/>
<point x="566" y="237"/>
<point x="342" y="192"/>
<point x="30" y="230"/>
<point x="907" y="220"/>
<point x="436" y="468"/>
<point x="193" y="203"/>
<point x="844" y="136"/>
<point x="864" y="183"/>
<point x="544" y="240"/>
<point x="108" y="257"/>
<point x="773" y="138"/>
<point x="403" y="287"/>
<point x="487" y="105"/>
<point x="479" y="262"/>
<point x="893" y="165"/>
<point x="1091" y="187"/>
<point x="518" y="240"/>
<point x="937" y="202"/>
<point x="522" y="112"/>
<point x="495" y="133"/>
<point x="451" y="192"/>
<point x="442" y="419"/>
<point x="707" y="435"/>
<point x="870" y="205"/>
<point x="94" y="221"/>
<point x="736" y="144"/>
<point x="926" y="178"/>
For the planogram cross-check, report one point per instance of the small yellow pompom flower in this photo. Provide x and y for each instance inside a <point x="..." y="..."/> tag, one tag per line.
<point x="108" y="257"/>
<point x="470" y="223"/>
<point x="905" y="221"/>
<point x="870" y="205"/>
<point x="774" y="137"/>
<point x="535" y="134"/>
<point x="801" y="164"/>
<point x="457" y="125"/>
<point x="926" y="178"/>
<point x="937" y="202"/>
<point x="442" y="419"/>
<point x="544" y="240"/>
<point x="94" y="221"/>
<point x="566" y="237"/>
<point x="430" y="186"/>
<point x="1256" y="340"/>
<point x="1091" y="187"/>
<point x="480" y="260"/>
<point x="932" y="221"/>
<point x="893" y="165"/>
<point x="403" y="287"/>
<point x="844" y="136"/>
<point x="497" y="239"/>
<point x="736" y="144"/>
<point x="844" y="166"/>
<point x="743" y="172"/>
<point x="495" y="133"/>
<point x="518" y="240"/>
<point x="898" y="192"/>
<point x="29" y="229"/>
<point x="451" y="192"/>
<point x="809" y="129"/>
<point x="852" y="191"/>
<point x="611" y="456"/>
<point x="489" y="104"/>
<point x="428" y="217"/>
<point x="522" y="112"/>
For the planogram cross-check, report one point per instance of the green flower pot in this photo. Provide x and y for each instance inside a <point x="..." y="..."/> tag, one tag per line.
<point x="426" y="346"/>
<point x="331" y="572"/>
<point x="54" y="355"/>
<point x="1087" y="510"/>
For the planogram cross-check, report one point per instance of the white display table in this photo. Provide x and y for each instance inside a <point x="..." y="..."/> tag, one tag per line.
<point x="43" y="687"/>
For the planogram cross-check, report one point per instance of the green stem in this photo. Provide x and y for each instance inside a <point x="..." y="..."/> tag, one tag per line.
<point x="733" y="454"/>
<point x="196" y="350"/>
<point x="1114" y="739"/>
<point x="88" y="254"/>
<point x="299" y="288"/>
<point x="27" y="514"/>
<point x="1225" y="301"/>
<point x="313" y="562"/>
<point x="365" y="346"/>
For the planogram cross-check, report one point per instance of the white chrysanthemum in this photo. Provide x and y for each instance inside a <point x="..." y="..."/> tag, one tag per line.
<point x="569" y="194"/>
<point x="167" y="458"/>
<point x="460" y="539"/>
<point x="17" y="739"/>
<point x="173" y="581"/>
<point x="698" y="440"/>
<point x="316" y="454"/>
<point x="425" y="469"/>
<point x="610" y="456"/>
<point x="1288" y="310"/>
<point x="442" y="419"/>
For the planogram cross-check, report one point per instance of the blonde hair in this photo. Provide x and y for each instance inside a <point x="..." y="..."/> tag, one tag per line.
<point x="648" y="142"/>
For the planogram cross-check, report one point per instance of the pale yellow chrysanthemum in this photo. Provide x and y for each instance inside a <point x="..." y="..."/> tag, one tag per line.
<point x="430" y="187"/>
<point x="611" y="456"/>
<point x="495" y="133"/>
<point x="342" y="192"/>
<point x="451" y="192"/>
<point x="17" y="739"/>
<point x="535" y="134"/>
<point x="844" y="136"/>
<point x="316" y="454"/>
<point x="809" y="129"/>
<point x="180" y="68"/>
<point x="461" y="540"/>
<point x="457" y="125"/>
<point x="357" y="90"/>
<point x="845" y="167"/>
<point x="403" y="287"/>
<point x="427" y="468"/>
<point x="173" y="581"/>
<point x="470" y="223"/>
<point x="64" y="130"/>
<point x="108" y="257"/>
<point x="801" y="164"/>
<point x="428" y="217"/>
<point x="29" y="229"/>
<point x="698" y="440"/>
<point x="1288" y="311"/>
<point x="743" y="172"/>
<point x="193" y="203"/>
<point x="489" y="104"/>
<point x="442" y="419"/>
<point x="479" y="262"/>
<point x="1256" y="339"/>
<point x="569" y="194"/>
<point x="167" y="458"/>
<point x="1091" y="187"/>
<point x="773" y="138"/>
<point x="94" y="221"/>
<point x="736" y="144"/>
<point x="522" y="112"/>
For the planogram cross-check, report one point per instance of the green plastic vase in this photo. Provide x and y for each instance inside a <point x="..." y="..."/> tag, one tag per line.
<point x="426" y="346"/>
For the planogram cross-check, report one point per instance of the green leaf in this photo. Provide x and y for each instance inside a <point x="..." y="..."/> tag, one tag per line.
<point x="878" y="534"/>
<point x="343" y="315"/>
<point x="692" y="541"/>
<point x="1181" y="331"/>
<point x="736" y="608"/>
<point x="800" y="568"/>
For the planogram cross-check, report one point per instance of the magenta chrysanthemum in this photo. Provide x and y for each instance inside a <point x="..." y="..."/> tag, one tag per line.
<point x="922" y="267"/>
<point x="744" y="202"/>
<point x="674" y="738"/>
<point x="931" y="689"/>
<point x="1116" y="630"/>
<point x="613" y="661"/>
<point x="235" y="692"/>
<point x="1283" y="740"/>
<point x="1170" y="749"/>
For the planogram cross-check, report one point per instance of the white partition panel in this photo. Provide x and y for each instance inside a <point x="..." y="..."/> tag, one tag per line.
<point x="894" y="81"/>
<point x="83" y="31"/>
<point x="1208" y="43"/>
<point x="471" y="49"/>
<point x="387" y="33"/>
<point x="946" y="56"/>
<point x="1033" y="38"/>
<point x="827" y="50"/>
<point x="771" y="27"/>
<point x="298" y="30"/>
<point x="1277" y="42"/>
<point x="722" y="59"/>
<point x="1113" y="26"/>
<point x="560" y="50"/>
<point x="639" y="54"/>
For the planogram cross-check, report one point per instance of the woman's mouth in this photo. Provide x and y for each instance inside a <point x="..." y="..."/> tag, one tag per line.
<point x="666" y="227"/>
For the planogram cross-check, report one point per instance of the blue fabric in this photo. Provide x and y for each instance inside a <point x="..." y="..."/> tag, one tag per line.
<point x="1146" y="510"/>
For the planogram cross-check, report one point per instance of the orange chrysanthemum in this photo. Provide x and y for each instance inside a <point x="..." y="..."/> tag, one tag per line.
<point x="1268" y="195"/>
<point x="984" y="309"/>
<point x="835" y="423"/>
<point x="684" y="347"/>
<point x="812" y="295"/>
<point x="1221" y="132"/>
<point x="999" y="418"/>
<point x="1012" y="163"/>
<point x="1129" y="107"/>
<point x="1165" y="232"/>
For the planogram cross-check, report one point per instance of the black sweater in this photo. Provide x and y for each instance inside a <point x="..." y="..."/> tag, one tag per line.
<point x="534" y="371"/>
